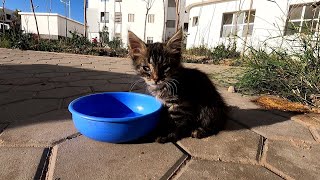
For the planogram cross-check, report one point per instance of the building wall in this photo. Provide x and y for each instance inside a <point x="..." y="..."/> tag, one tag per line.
<point x="7" y="12"/>
<point x="154" y="30"/>
<point x="269" y="23"/>
<point x="50" y="25"/>
<point x="71" y="25"/>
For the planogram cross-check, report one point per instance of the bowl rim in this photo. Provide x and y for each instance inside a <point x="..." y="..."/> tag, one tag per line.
<point x="95" y="118"/>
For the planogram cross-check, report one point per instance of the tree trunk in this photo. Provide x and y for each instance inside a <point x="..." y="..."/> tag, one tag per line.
<point x="145" y="25"/>
<point x="85" y="17"/>
<point x="247" y="29"/>
<point x="177" y="14"/>
<point x="164" y="23"/>
<point x="35" y="18"/>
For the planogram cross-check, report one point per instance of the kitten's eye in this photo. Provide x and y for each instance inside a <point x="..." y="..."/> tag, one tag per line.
<point x="146" y="68"/>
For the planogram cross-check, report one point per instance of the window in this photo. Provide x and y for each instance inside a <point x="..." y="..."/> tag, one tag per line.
<point x="104" y="17"/>
<point x="118" y="17"/>
<point x="8" y="16"/>
<point x="171" y="23"/>
<point x="149" y="40"/>
<point x="237" y="23"/>
<point x="117" y="35"/>
<point x="130" y="17"/>
<point x="171" y="3"/>
<point x="302" y="18"/>
<point x="195" y="21"/>
<point x="150" y="18"/>
<point x="185" y="27"/>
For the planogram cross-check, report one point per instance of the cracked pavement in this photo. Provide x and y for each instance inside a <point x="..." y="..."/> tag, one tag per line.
<point x="38" y="139"/>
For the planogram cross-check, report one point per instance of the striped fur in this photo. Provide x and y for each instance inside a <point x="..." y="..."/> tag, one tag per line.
<point x="193" y="105"/>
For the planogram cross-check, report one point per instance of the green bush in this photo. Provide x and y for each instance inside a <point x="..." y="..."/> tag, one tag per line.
<point x="292" y="76"/>
<point x="5" y="43"/>
<point x="198" y="51"/>
<point x="202" y="54"/>
<point x="221" y="52"/>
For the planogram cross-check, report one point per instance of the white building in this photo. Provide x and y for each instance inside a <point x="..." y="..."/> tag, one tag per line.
<point x="51" y="25"/>
<point x="119" y="16"/>
<point x="5" y="23"/>
<point x="212" y="21"/>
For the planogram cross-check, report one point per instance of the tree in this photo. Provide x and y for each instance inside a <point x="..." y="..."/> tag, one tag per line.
<point x="85" y="17"/>
<point x="177" y="14"/>
<point x="149" y="4"/>
<point x="35" y="18"/>
<point x="16" y="21"/>
<point x="164" y="21"/>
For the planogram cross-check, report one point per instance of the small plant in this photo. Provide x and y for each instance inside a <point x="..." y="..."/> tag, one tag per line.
<point x="294" y="77"/>
<point x="204" y="55"/>
<point x="221" y="52"/>
<point x="198" y="51"/>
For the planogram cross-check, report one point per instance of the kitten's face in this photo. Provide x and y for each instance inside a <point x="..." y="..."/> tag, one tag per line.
<point x="155" y="63"/>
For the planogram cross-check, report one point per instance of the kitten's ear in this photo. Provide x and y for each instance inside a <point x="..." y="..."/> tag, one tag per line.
<point x="174" y="43"/>
<point x="136" y="46"/>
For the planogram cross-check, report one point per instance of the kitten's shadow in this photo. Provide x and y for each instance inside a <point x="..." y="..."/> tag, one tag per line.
<point x="239" y="119"/>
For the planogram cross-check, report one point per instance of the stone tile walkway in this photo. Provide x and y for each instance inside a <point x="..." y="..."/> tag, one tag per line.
<point x="38" y="139"/>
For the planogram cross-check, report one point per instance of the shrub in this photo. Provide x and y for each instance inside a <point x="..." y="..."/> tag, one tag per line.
<point x="292" y="76"/>
<point x="204" y="55"/>
<point x="221" y="52"/>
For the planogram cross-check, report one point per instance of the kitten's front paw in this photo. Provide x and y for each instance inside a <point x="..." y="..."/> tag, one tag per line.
<point x="164" y="139"/>
<point x="199" y="133"/>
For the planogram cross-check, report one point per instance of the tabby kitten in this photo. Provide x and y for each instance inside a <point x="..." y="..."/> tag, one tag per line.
<point x="193" y="105"/>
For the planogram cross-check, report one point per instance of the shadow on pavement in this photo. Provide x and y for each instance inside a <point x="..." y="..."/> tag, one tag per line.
<point x="27" y="92"/>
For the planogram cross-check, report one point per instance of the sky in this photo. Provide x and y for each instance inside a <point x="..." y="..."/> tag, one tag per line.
<point x="44" y="6"/>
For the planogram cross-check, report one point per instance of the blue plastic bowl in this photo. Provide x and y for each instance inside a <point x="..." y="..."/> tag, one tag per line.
<point x="115" y="116"/>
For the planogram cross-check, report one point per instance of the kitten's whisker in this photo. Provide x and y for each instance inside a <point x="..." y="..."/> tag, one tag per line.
<point x="174" y="85"/>
<point x="175" y="80"/>
<point x="135" y="83"/>
<point x="171" y="88"/>
<point x="168" y="86"/>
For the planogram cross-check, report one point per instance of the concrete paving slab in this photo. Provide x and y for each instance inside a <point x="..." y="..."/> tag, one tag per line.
<point x="235" y="99"/>
<point x="315" y="133"/>
<point x="2" y="126"/>
<point x="111" y="87"/>
<point x="67" y="101"/>
<point x="10" y="97"/>
<point x="20" y="110"/>
<point x="22" y="81"/>
<point x="87" y="83"/>
<point x="51" y="75"/>
<point x="19" y="162"/>
<point x="270" y="125"/>
<point x="15" y="76"/>
<point x="82" y="158"/>
<point x="298" y="160"/>
<point x="311" y="119"/>
<point x="63" y="92"/>
<point x="203" y="169"/>
<point x="68" y="78"/>
<point x="236" y="144"/>
<point x="36" y="87"/>
<point x="5" y="88"/>
<point x="103" y="77"/>
<point x="129" y="80"/>
<point x="43" y="130"/>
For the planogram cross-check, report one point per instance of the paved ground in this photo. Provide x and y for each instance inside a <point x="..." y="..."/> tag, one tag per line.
<point x="38" y="139"/>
